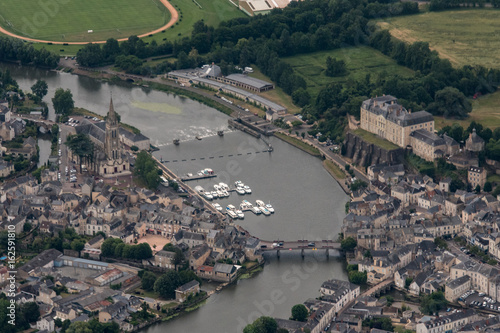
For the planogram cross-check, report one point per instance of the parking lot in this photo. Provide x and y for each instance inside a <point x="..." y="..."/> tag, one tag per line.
<point x="480" y="301"/>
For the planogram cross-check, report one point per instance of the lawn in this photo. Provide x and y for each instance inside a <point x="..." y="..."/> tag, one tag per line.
<point x="299" y="144"/>
<point x="485" y="110"/>
<point x="372" y="138"/>
<point x="212" y="13"/>
<point x="72" y="20"/>
<point x="465" y="37"/>
<point x="359" y="61"/>
<point x="276" y="95"/>
<point x="334" y="169"/>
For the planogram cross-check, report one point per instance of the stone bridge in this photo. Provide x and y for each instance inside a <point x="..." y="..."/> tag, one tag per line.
<point x="302" y="245"/>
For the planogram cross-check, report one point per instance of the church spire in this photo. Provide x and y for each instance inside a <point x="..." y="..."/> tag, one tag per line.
<point x="111" y="117"/>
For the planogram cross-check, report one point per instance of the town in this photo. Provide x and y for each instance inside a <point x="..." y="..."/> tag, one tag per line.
<point x="249" y="166"/>
<point x="107" y="246"/>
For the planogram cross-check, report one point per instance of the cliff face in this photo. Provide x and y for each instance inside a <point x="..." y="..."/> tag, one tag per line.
<point x="364" y="154"/>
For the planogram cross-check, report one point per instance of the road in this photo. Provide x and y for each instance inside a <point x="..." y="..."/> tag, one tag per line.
<point x="300" y="244"/>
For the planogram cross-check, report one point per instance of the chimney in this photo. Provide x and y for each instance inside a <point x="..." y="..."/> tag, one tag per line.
<point x="409" y="111"/>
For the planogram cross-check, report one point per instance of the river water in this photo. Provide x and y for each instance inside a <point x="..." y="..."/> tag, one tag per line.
<point x="309" y="203"/>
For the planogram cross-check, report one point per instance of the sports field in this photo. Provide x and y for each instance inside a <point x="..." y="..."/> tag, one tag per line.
<point x="465" y="37"/>
<point x="359" y="61"/>
<point x="71" y="20"/>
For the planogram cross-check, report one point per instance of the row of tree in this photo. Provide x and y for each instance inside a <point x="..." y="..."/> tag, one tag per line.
<point x="13" y="49"/>
<point x="116" y="248"/>
<point x="166" y="284"/>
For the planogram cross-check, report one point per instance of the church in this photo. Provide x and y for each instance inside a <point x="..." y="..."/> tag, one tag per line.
<point x="110" y="159"/>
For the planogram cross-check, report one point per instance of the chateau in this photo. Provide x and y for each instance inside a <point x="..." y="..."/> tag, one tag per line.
<point x="388" y="119"/>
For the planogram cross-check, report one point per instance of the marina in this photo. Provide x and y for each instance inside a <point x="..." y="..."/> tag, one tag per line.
<point x="203" y="174"/>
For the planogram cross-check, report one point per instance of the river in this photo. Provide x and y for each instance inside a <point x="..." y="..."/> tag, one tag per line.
<point x="309" y="203"/>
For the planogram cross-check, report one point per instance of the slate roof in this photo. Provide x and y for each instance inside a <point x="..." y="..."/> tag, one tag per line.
<point x="428" y="137"/>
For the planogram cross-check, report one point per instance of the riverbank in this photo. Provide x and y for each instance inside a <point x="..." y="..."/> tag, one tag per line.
<point x="299" y="144"/>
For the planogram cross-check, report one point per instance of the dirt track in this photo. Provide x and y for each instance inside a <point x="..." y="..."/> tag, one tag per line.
<point x="173" y="19"/>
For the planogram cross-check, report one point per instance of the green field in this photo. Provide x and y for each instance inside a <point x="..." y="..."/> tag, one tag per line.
<point x="212" y="12"/>
<point x="72" y="20"/>
<point x="465" y="37"/>
<point x="376" y="140"/>
<point x="485" y="110"/>
<point x="359" y="61"/>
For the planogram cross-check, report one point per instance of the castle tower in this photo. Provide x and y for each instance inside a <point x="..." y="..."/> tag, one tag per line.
<point x="112" y="142"/>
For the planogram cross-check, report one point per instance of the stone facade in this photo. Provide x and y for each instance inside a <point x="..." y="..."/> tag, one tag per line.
<point x="476" y="176"/>
<point x="388" y="119"/>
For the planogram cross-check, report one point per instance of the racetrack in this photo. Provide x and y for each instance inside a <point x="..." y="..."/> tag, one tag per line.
<point x="173" y="19"/>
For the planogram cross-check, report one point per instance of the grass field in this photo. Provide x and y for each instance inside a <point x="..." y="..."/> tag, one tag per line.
<point x="72" y="20"/>
<point x="485" y="110"/>
<point x="299" y="144"/>
<point x="359" y="61"/>
<point x="372" y="138"/>
<point x="334" y="169"/>
<point x="276" y="95"/>
<point x="465" y="37"/>
<point x="212" y="12"/>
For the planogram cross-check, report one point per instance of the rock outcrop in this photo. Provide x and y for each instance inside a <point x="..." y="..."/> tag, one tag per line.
<point x="364" y="154"/>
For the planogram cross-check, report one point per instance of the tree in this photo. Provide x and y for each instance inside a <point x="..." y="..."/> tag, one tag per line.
<point x="358" y="277"/>
<point x="63" y="102"/>
<point x="40" y="89"/>
<point x="79" y="327"/>
<point x="348" y="244"/>
<point x="335" y="67"/>
<point x="299" y="312"/>
<point x="380" y="323"/>
<point x="262" y="325"/>
<point x="450" y="103"/>
<point x="477" y="189"/>
<point x="30" y="311"/>
<point x="147" y="170"/>
<point x="81" y="146"/>
<point x="77" y="245"/>
<point x="148" y="281"/>
<point x="433" y="303"/>
<point x="357" y="184"/>
<point x="166" y="284"/>
<point x="27" y="227"/>
<point x="487" y="187"/>
<point x="441" y="243"/>
<point x="408" y="282"/>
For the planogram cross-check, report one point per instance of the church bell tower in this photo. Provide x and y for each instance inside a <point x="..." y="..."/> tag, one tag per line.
<point x="112" y="142"/>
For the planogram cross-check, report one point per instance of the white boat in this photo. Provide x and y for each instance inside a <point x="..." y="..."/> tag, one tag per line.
<point x="245" y="205"/>
<point x="217" y="187"/>
<point x="256" y="210"/>
<point x="265" y="211"/>
<point x="199" y="189"/>
<point x="214" y="194"/>
<point x="238" y="183"/>
<point x="260" y="203"/>
<point x="247" y="189"/>
<point x="220" y="194"/>
<point x="232" y="214"/>
<point x="270" y="208"/>
<point x="240" y="214"/>
<point x="208" y="196"/>
<point x="240" y="190"/>
<point x="223" y="186"/>
<point x="230" y="208"/>
<point x="217" y="206"/>
<point x="226" y="193"/>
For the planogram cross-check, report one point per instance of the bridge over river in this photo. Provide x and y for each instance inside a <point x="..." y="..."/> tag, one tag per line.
<point x="301" y="245"/>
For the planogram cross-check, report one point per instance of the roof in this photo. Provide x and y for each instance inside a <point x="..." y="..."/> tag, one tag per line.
<point x="388" y="107"/>
<point x="41" y="260"/>
<point x="458" y="282"/>
<point x="188" y="286"/>
<point x="428" y="137"/>
<point x="251" y="81"/>
<point x="224" y="268"/>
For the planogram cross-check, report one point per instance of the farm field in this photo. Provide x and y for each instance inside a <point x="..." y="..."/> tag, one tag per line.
<point x="212" y="12"/>
<point x="485" y="110"/>
<point x="465" y="37"/>
<point x="71" y="21"/>
<point x="359" y="61"/>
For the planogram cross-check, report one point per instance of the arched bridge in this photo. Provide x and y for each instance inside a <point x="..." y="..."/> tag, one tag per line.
<point x="302" y="245"/>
